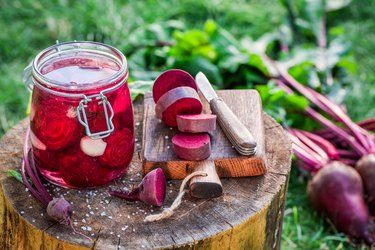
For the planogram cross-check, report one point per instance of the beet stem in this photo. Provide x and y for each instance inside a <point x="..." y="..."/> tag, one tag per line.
<point x="39" y="191"/>
<point x="310" y="143"/>
<point x="129" y="196"/>
<point x="325" y="145"/>
<point x="325" y="104"/>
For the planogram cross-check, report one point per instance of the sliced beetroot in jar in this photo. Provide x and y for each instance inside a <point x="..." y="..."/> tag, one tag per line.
<point x="171" y="79"/>
<point x="181" y="100"/>
<point x="55" y="124"/>
<point x="196" y="123"/>
<point x="80" y="170"/>
<point x="192" y="147"/>
<point x="47" y="159"/>
<point x="121" y="100"/>
<point x="119" y="149"/>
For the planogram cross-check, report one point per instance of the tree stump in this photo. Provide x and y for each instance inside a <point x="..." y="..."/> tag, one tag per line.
<point x="248" y="215"/>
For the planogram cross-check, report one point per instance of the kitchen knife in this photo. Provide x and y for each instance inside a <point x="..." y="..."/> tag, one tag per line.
<point x="239" y="136"/>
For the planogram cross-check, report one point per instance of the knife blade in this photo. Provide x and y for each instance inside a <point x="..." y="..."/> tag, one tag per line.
<point x="239" y="136"/>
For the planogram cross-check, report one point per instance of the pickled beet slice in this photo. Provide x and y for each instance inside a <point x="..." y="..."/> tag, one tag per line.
<point x="192" y="147"/>
<point x="56" y="124"/>
<point x="80" y="170"/>
<point x="119" y="150"/>
<point x="171" y="79"/>
<point x="181" y="100"/>
<point x="47" y="159"/>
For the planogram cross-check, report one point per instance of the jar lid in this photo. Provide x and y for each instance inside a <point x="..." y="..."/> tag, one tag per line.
<point x="52" y="68"/>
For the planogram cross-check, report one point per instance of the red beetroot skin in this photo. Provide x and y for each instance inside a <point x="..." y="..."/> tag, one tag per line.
<point x="55" y="125"/>
<point x="119" y="150"/>
<point x="336" y="190"/>
<point x="196" y="123"/>
<point x="171" y="79"/>
<point x="150" y="191"/>
<point x="193" y="147"/>
<point x="181" y="100"/>
<point x="366" y="169"/>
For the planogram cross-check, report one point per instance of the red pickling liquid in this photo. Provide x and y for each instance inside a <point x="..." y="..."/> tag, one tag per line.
<point x="58" y="139"/>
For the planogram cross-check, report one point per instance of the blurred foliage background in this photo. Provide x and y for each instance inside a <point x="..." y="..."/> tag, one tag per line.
<point x="224" y="39"/>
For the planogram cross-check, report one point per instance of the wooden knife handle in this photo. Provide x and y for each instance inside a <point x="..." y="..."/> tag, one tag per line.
<point x="231" y="125"/>
<point x="206" y="187"/>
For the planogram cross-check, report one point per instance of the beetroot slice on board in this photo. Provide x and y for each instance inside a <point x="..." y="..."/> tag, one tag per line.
<point x="171" y="79"/>
<point x="181" y="100"/>
<point x="193" y="147"/>
<point x="196" y="123"/>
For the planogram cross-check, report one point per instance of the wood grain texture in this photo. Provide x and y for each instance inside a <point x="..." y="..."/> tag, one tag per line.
<point x="157" y="148"/>
<point x="247" y="216"/>
<point x="206" y="186"/>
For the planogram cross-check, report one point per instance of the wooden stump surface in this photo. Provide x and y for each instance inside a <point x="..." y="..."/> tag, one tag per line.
<point x="247" y="216"/>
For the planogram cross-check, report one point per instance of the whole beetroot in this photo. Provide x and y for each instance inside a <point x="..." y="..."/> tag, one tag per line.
<point x="337" y="191"/>
<point x="366" y="169"/>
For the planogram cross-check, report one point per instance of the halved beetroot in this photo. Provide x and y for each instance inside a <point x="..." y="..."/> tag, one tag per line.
<point x="54" y="125"/>
<point x="196" y="123"/>
<point x="193" y="147"/>
<point x="181" y="100"/>
<point x="171" y="79"/>
<point x="119" y="149"/>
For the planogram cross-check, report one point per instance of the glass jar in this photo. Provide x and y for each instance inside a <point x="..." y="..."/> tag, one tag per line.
<point x="81" y="117"/>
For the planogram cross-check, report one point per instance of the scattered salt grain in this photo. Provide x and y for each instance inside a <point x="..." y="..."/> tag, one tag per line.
<point x="33" y="220"/>
<point x="89" y="229"/>
<point x="91" y="212"/>
<point x="57" y="237"/>
<point x="166" y="137"/>
<point x="22" y="212"/>
<point x="83" y="228"/>
<point x="128" y="216"/>
<point x="137" y="124"/>
<point x="30" y="207"/>
<point x="194" y="205"/>
<point x="26" y="189"/>
<point x="110" y="217"/>
<point x="83" y="220"/>
<point x="111" y="233"/>
<point x="118" y="236"/>
<point x="168" y="147"/>
<point x="102" y="214"/>
<point x="106" y="201"/>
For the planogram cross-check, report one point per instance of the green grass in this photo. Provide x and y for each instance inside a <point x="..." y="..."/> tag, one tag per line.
<point x="30" y="25"/>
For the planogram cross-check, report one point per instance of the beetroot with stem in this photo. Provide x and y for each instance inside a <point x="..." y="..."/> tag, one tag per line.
<point x="171" y="79"/>
<point x="359" y="139"/>
<point x="199" y="123"/>
<point x="336" y="189"/>
<point x="150" y="191"/>
<point x="180" y="100"/>
<point x="57" y="208"/>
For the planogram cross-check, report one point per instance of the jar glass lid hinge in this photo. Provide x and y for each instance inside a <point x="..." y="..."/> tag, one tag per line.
<point x="108" y="113"/>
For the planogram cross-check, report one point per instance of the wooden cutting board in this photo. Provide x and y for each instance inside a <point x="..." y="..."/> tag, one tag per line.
<point x="157" y="140"/>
